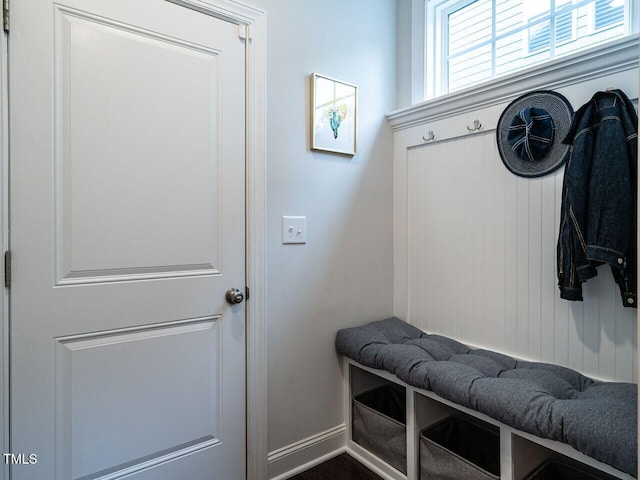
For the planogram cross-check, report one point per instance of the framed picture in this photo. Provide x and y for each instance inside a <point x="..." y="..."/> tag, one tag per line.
<point x="334" y="115"/>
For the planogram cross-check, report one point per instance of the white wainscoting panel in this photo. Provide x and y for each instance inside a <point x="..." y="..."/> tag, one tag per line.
<point x="481" y="264"/>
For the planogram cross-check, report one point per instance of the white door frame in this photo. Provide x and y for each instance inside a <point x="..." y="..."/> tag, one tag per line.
<point x="252" y="22"/>
<point x="4" y="245"/>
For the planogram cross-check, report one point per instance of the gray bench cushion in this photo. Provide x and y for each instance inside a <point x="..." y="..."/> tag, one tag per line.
<point x="598" y="419"/>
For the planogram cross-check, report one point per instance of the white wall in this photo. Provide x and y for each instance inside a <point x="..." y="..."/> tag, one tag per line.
<point x="403" y="53"/>
<point x="475" y="246"/>
<point x="482" y="268"/>
<point x="343" y="275"/>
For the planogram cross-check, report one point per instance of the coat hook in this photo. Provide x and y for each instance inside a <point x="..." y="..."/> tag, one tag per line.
<point x="429" y="137"/>
<point x="476" y="126"/>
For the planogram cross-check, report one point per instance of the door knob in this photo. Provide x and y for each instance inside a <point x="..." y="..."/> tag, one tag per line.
<point x="234" y="296"/>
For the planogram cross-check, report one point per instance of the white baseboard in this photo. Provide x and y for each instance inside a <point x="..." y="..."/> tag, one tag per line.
<point x="373" y="463"/>
<point x="300" y="456"/>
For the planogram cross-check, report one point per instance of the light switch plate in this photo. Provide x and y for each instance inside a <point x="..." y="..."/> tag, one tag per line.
<point x="294" y="229"/>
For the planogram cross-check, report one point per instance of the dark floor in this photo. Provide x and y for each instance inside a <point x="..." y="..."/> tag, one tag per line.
<point x="342" y="467"/>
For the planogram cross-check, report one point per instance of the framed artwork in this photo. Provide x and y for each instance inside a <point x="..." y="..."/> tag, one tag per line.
<point x="334" y="115"/>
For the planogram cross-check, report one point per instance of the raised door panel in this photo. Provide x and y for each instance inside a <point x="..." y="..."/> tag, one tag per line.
<point x="138" y="168"/>
<point x="140" y="396"/>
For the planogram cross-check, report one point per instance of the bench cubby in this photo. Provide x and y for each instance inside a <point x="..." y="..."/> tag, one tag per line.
<point x="379" y="424"/>
<point x="378" y="418"/>
<point x="459" y="447"/>
<point x="521" y="454"/>
<point x="533" y="461"/>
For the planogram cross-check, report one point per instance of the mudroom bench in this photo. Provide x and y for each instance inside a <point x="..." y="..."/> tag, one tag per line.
<point x="422" y="405"/>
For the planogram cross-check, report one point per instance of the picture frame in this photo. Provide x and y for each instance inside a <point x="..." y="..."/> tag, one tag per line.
<point x="334" y="110"/>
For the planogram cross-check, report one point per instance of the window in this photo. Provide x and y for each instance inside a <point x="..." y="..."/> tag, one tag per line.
<point x="539" y="36"/>
<point x="469" y="42"/>
<point x="608" y="14"/>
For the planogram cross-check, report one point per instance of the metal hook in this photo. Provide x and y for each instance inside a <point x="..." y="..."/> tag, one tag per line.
<point x="476" y="126"/>
<point x="429" y="137"/>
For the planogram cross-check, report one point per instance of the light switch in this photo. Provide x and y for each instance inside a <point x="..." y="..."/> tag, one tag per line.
<point x="294" y="229"/>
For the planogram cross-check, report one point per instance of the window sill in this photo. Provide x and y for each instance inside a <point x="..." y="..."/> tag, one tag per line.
<point x="611" y="58"/>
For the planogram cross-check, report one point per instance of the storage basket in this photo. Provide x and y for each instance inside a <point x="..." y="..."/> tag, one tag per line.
<point x="460" y="448"/>
<point x="379" y="424"/>
<point x="559" y="470"/>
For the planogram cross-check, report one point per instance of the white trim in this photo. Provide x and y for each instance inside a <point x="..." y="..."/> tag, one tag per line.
<point x="306" y="443"/>
<point x="634" y="13"/>
<point x="307" y="453"/>
<point x="307" y="466"/>
<point x="373" y="463"/>
<point x="4" y="245"/>
<point x="615" y="57"/>
<point x="256" y="221"/>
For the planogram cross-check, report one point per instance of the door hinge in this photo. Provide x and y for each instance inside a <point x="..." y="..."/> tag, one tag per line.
<point x="7" y="268"/>
<point x="243" y="31"/>
<point x="5" y="15"/>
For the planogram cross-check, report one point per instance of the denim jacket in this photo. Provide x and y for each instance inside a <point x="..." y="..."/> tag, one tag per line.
<point x="599" y="205"/>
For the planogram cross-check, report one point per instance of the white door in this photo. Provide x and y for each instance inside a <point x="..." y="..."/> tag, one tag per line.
<point x="127" y="218"/>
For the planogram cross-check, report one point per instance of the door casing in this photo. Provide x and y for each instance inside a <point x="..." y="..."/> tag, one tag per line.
<point x="252" y="22"/>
